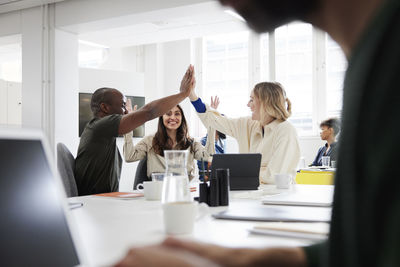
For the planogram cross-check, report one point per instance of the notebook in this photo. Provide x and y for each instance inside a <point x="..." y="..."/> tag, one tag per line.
<point x="275" y="213"/>
<point x="307" y="196"/>
<point x="35" y="228"/>
<point x="312" y="230"/>
<point x="244" y="169"/>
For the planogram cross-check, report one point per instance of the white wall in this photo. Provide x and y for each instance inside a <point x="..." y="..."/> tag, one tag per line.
<point x="13" y="22"/>
<point x="309" y="147"/>
<point x="32" y="67"/>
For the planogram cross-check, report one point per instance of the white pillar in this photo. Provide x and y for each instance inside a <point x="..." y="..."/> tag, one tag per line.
<point x="37" y="26"/>
<point x="66" y="89"/>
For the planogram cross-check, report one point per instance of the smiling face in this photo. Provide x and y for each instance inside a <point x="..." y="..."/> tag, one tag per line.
<point x="254" y="105"/>
<point x="172" y="119"/>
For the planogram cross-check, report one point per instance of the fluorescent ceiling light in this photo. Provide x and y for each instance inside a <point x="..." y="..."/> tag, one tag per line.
<point x="234" y="14"/>
<point x="92" y="44"/>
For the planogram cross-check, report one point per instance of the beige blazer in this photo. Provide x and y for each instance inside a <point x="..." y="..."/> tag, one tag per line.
<point x="156" y="163"/>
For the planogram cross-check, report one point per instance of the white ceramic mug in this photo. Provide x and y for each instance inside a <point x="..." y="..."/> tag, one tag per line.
<point x="179" y="217"/>
<point x="152" y="190"/>
<point x="283" y="180"/>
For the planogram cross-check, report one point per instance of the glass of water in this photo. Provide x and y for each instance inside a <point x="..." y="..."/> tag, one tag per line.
<point x="326" y="161"/>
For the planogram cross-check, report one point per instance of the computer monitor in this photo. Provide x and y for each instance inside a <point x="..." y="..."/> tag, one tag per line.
<point x="85" y="112"/>
<point x="34" y="227"/>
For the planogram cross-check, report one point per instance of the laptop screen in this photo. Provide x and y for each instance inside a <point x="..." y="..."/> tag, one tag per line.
<point x="33" y="226"/>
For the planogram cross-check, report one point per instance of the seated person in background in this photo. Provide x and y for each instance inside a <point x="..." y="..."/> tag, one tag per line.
<point x="330" y="128"/>
<point x="219" y="149"/>
<point x="172" y="134"/>
<point x="98" y="162"/>
<point x="219" y="144"/>
<point x="267" y="131"/>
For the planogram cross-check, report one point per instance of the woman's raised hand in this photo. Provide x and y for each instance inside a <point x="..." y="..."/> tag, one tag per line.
<point x="188" y="81"/>
<point x="214" y="102"/>
<point x="128" y="106"/>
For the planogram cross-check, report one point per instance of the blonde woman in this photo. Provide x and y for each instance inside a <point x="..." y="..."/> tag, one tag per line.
<point x="267" y="131"/>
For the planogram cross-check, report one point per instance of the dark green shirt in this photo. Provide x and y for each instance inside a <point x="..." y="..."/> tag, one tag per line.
<point x="98" y="163"/>
<point x="365" y="228"/>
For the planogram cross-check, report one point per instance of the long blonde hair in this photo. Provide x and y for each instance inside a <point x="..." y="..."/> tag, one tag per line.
<point x="273" y="101"/>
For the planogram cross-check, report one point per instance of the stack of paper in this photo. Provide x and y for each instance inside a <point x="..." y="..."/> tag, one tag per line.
<point x="313" y="231"/>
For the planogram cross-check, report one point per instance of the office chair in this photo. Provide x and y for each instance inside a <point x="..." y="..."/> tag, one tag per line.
<point x="141" y="173"/>
<point x="66" y="166"/>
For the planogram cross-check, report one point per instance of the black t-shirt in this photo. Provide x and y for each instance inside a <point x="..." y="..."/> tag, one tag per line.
<point x="98" y="163"/>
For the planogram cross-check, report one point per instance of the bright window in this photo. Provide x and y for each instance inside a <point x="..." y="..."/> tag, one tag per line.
<point x="265" y="58"/>
<point x="336" y="65"/>
<point x="293" y="52"/>
<point x="225" y="72"/>
<point x="309" y="65"/>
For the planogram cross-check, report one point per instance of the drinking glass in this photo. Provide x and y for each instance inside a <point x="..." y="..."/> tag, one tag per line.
<point x="326" y="161"/>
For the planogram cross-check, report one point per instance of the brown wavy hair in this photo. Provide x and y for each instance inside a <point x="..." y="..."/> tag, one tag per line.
<point x="161" y="140"/>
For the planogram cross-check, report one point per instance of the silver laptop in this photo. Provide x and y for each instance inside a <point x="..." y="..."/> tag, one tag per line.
<point x="35" y="228"/>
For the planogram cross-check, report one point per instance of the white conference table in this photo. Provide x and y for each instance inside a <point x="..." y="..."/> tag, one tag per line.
<point x="108" y="227"/>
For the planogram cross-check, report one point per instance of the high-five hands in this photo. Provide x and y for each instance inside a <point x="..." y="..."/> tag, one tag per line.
<point x="188" y="81"/>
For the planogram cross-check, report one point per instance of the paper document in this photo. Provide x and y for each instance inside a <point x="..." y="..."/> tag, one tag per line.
<point x="314" y="231"/>
<point x="322" y="197"/>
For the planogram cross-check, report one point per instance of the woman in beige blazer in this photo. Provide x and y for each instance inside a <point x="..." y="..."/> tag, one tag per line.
<point x="267" y="131"/>
<point x="172" y="134"/>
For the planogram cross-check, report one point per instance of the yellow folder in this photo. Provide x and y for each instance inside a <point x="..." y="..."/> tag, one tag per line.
<point x="315" y="177"/>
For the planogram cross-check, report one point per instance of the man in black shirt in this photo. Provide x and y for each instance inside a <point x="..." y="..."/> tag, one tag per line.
<point x="98" y="162"/>
<point x="365" y="226"/>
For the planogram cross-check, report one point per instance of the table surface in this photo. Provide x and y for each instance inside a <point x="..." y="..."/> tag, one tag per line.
<point x="108" y="227"/>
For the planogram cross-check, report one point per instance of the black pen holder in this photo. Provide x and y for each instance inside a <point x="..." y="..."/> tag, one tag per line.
<point x="223" y="186"/>
<point x="203" y="192"/>
<point x="217" y="193"/>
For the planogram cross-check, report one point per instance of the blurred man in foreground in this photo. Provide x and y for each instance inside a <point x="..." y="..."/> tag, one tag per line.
<point x="366" y="211"/>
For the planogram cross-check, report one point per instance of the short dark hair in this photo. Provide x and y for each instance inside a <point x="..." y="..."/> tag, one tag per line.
<point x="101" y="95"/>
<point x="221" y="135"/>
<point x="333" y="123"/>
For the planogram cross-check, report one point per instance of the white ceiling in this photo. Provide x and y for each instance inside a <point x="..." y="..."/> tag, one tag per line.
<point x="153" y="25"/>
<point x="159" y="25"/>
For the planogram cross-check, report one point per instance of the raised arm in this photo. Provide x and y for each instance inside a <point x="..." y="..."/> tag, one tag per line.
<point x="158" y="107"/>
<point x="204" y="152"/>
